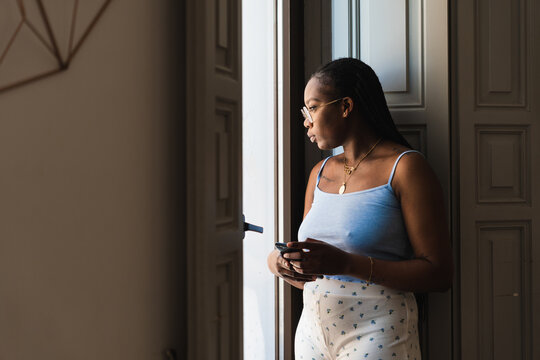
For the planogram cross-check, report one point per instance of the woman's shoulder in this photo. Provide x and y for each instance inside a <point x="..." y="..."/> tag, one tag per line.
<point x="412" y="171"/>
<point x="316" y="168"/>
<point x="393" y="150"/>
<point x="390" y="152"/>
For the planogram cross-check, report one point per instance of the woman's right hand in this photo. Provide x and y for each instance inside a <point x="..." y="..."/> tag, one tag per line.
<point x="281" y="267"/>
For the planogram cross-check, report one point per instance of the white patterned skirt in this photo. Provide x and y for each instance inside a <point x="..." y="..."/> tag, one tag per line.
<point x="349" y="320"/>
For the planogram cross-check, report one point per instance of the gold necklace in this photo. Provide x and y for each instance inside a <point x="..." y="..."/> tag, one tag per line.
<point x="348" y="170"/>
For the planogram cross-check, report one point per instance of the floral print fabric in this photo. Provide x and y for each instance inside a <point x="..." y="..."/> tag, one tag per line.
<point x="350" y="320"/>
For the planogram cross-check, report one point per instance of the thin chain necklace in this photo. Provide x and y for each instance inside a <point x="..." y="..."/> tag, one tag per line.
<point x="348" y="170"/>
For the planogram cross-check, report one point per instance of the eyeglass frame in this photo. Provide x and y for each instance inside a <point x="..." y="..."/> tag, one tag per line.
<point x="307" y="114"/>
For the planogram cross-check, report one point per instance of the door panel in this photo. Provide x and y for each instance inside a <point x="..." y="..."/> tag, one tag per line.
<point x="214" y="157"/>
<point x="497" y="111"/>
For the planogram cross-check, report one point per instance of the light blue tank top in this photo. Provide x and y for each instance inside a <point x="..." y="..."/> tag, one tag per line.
<point x="367" y="222"/>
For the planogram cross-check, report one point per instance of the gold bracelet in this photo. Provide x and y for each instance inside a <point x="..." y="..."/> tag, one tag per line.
<point x="370" y="270"/>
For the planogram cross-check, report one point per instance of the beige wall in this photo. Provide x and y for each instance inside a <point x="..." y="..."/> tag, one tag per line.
<point x="87" y="251"/>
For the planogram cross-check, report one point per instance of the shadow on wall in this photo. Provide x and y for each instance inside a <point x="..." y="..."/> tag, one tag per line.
<point x="39" y="41"/>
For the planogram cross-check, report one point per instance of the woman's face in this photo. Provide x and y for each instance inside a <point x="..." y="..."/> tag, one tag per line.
<point x="329" y="126"/>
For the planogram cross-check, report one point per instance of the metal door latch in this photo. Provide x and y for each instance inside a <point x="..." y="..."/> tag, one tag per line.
<point x="251" y="227"/>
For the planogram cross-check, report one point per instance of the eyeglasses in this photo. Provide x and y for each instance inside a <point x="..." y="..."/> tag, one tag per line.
<point x="306" y="113"/>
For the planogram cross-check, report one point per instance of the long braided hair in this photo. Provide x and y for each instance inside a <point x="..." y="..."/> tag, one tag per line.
<point x="354" y="78"/>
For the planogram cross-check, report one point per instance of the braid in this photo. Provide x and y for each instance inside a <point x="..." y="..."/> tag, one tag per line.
<point x="355" y="79"/>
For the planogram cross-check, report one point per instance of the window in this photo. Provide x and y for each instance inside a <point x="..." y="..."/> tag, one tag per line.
<point x="259" y="159"/>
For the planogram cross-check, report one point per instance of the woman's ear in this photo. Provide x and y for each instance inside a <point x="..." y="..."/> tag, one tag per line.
<point x="347" y="106"/>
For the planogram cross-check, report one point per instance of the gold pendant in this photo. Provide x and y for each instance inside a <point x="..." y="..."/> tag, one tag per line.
<point x="348" y="170"/>
<point x="342" y="189"/>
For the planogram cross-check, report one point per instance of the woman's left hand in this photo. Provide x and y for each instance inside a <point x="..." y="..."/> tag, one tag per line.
<point x="320" y="259"/>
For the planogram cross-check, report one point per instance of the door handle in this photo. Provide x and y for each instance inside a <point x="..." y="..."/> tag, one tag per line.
<point x="251" y="227"/>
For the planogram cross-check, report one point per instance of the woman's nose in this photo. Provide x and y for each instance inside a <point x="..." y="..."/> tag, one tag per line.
<point x="307" y="123"/>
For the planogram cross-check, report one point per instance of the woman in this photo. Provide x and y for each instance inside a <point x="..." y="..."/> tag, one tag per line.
<point x="374" y="228"/>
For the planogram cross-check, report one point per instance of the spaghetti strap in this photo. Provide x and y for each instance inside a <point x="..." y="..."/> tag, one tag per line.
<point x="397" y="160"/>
<point x="320" y="170"/>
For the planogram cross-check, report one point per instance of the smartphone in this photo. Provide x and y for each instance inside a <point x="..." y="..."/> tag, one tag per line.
<point x="282" y="247"/>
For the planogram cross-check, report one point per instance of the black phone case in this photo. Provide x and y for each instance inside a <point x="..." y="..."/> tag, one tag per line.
<point x="282" y="247"/>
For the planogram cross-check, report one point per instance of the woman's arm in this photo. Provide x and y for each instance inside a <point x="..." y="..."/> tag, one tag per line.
<point x="280" y="266"/>
<point x="420" y="194"/>
<point x="283" y="269"/>
<point x="422" y="204"/>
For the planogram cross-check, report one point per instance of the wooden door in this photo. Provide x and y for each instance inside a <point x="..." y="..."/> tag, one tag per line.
<point x="406" y="43"/>
<point x="215" y="224"/>
<point x="497" y="113"/>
